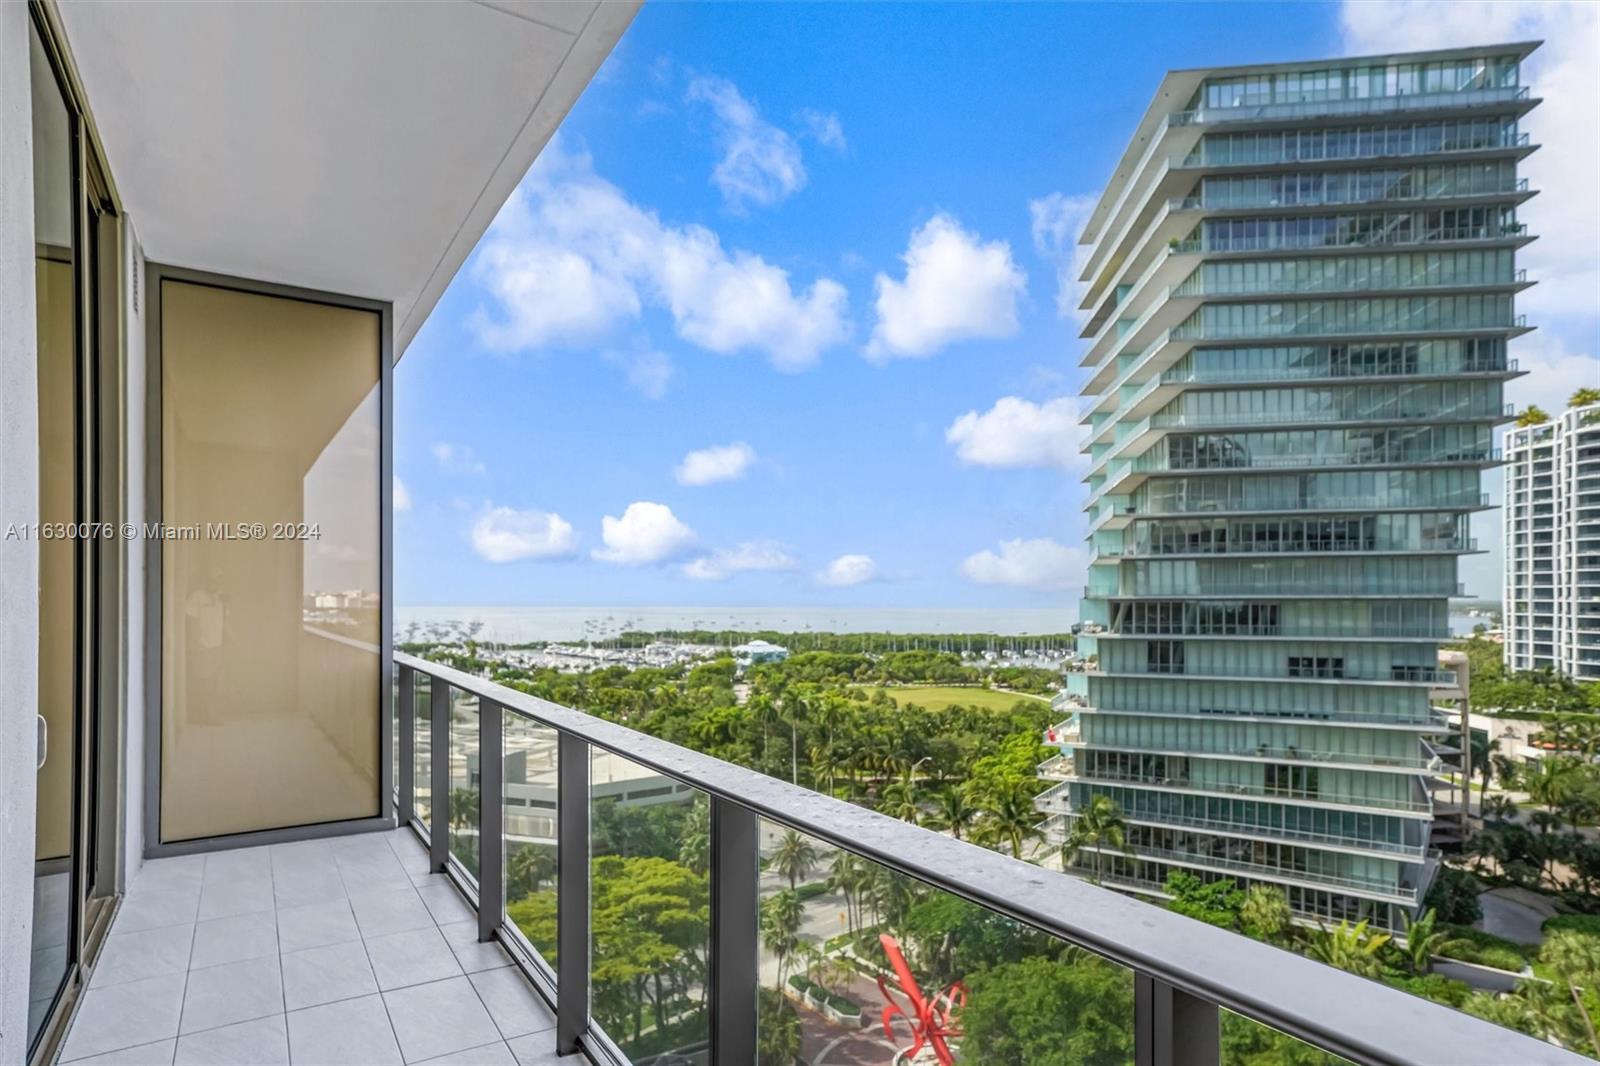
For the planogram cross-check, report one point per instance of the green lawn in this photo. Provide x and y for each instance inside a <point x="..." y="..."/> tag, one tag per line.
<point x="937" y="697"/>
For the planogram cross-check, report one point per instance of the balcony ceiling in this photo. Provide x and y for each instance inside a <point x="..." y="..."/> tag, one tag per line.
<point x="358" y="148"/>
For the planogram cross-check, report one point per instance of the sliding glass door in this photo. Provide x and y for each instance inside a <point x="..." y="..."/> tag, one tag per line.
<point x="75" y="277"/>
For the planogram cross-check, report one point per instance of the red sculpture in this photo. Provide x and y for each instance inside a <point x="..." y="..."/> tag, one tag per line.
<point x="930" y="1020"/>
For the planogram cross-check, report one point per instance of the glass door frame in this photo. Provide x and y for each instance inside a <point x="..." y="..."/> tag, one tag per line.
<point x="154" y="472"/>
<point x="95" y="865"/>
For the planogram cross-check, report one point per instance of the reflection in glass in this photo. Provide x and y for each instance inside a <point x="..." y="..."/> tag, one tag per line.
<point x="465" y="776"/>
<point x="531" y="753"/>
<point x="270" y="644"/>
<point x="58" y="457"/>
<point x="650" y="900"/>
<point x="1000" y="993"/>
<point x="1246" y="1042"/>
<point x="422" y="751"/>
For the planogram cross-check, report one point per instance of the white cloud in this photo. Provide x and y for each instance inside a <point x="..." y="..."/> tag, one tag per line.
<point x="649" y="372"/>
<point x="458" y="459"/>
<point x="751" y="556"/>
<point x="957" y="287"/>
<point x="646" y="533"/>
<point x="1564" y="72"/>
<point x="848" y="570"/>
<point x="400" y="497"/>
<point x="1017" y="432"/>
<point x="1057" y="221"/>
<point x="569" y="258"/>
<point x="1038" y="563"/>
<point x="720" y="462"/>
<point x="824" y="128"/>
<point x="760" y="163"/>
<point x="504" y="535"/>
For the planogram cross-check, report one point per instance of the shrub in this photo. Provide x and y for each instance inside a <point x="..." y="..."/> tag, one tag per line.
<point x="811" y="891"/>
<point x="1434" y="986"/>
<point x="1485" y="949"/>
<point x="1575" y="923"/>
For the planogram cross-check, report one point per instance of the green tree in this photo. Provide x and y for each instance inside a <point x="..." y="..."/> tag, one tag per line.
<point x="794" y="857"/>
<point x="1010" y="818"/>
<point x="1100" y="826"/>
<point x="1265" y="914"/>
<point x="778" y="1036"/>
<point x="1532" y="415"/>
<point x="1575" y="958"/>
<point x="1220" y="902"/>
<point x="953" y="811"/>
<point x="1454" y="896"/>
<point x="1584" y="397"/>
<point x="1037" y="1012"/>
<point x="781" y="914"/>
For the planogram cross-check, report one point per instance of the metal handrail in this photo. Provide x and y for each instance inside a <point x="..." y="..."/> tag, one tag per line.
<point x="1171" y="955"/>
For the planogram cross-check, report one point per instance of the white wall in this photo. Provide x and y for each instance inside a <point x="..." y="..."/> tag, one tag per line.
<point x="19" y="561"/>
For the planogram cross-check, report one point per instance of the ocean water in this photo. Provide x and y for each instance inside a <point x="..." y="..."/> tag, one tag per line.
<point x="518" y="625"/>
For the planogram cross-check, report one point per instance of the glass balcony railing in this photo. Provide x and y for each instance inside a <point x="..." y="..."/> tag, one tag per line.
<point x="1276" y="832"/>
<point x="595" y="845"/>
<point x="1383" y="238"/>
<point x="1405" y="892"/>
<point x="1469" y="500"/>
<point x="1461" y="412"/>
<point x="1187" y="783"/>
<point x="1152" y="462"/>
<point x="1337" y="285"/>
<point x="1185" y="375"/>
<point x="1388" y="194"/>
<point x="1269" y="151"/>
<point x="1370" y="105"/>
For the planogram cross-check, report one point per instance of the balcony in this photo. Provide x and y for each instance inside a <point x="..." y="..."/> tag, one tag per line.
<point x="383" y="945"/>
<point x="1362" y="107"/>
<point x="1202" y="202"/>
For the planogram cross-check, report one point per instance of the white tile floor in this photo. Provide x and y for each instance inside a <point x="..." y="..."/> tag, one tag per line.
<point x="340" y="952"/>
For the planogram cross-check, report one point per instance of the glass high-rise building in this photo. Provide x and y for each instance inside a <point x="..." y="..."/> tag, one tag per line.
<point x="1300" y="284"/>
<point x="1552" y="545"/>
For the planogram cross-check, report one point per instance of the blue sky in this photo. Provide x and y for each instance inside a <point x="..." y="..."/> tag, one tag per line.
<point x="776" y="318"/>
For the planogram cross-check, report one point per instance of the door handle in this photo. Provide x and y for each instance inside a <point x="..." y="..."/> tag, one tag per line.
<point x="43" y="743"/>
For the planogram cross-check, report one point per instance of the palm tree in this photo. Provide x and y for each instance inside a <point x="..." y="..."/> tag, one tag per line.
<point x="1350" y="948"/>
<point x="1010" y="818"/>
<point x="1584" y="397"/>
<point x="1575" y="957"/>
<point x="845" y="876"/>
<point x="1499" y="808"/>
<point x="1423" y="939"/>
<point x="780" y="928"/>
<point x="795" y="856"/>
<point x="1533" y="415"/>
<point x="695" y="849"/>
<point x="900" y="801"/>
<point x="1098" y="825"/>
<point x="953" y="810"/>
<point x="764" y="710"/>
<point x="1550" y="781"/>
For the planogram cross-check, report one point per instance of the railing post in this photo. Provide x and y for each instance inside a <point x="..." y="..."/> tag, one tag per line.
<point x="491" y="805"/>
<point x="1173" y="1028"/>
<point x="735" y="932"/>
<point x="406" y="783"/>
<point x="439" y="774"/>
<point x="572" y="893"/>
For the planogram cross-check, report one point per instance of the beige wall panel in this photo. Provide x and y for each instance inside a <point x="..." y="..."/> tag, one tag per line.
<point x="270" y="648"/>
